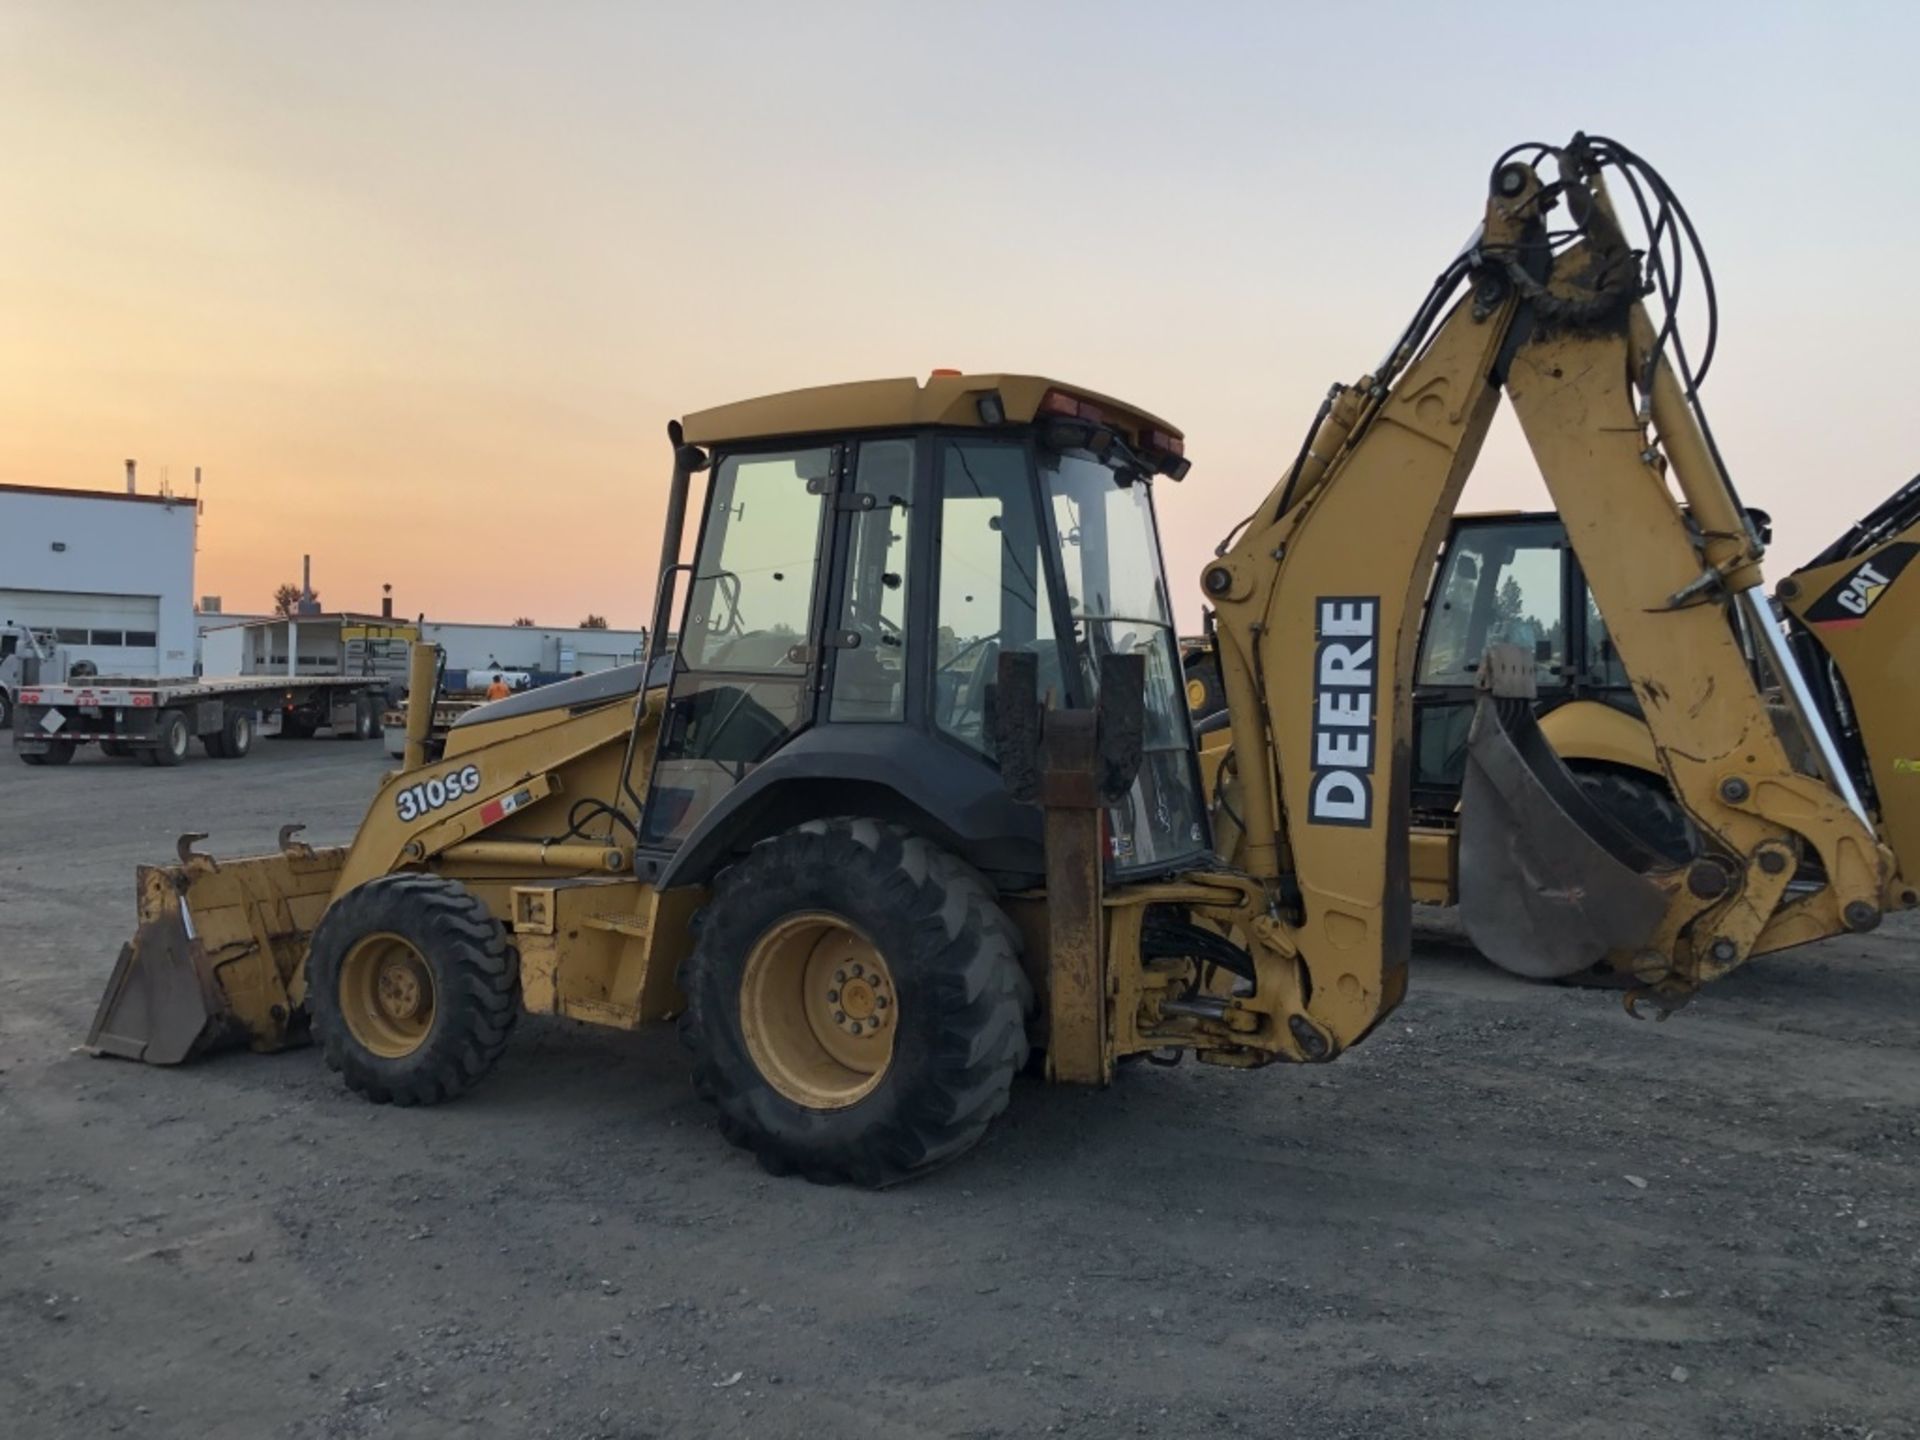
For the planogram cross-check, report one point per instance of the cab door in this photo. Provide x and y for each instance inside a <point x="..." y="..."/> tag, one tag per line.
<point x="746" y="673"/>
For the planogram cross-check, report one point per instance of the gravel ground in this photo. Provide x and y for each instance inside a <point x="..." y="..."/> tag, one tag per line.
<point x="1513" y="1211"/>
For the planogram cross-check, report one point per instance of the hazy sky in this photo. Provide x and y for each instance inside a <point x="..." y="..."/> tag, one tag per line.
<point x="420" y="285"/>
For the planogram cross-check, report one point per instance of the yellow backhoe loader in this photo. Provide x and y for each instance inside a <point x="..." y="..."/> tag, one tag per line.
<point x="1510" y="577"/>
<point x="918" y="791"/>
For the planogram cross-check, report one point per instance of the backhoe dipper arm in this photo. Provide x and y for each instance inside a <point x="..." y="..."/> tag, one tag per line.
<point x="1318" y="608"/>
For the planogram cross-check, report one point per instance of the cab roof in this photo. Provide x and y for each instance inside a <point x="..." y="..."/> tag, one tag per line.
<point x="945" y="398"/>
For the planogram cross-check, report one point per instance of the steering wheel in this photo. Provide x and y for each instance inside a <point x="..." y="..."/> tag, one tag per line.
<point x="953" y="661"/>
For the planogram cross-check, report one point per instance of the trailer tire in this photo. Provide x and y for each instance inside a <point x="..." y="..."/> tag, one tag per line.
<point x="236" y="735"/>
<point x="6" y="711"/>
<point x="796" y="1081"/>
<point x="58" y="752"/>
<point x="171" y="737"/>
<point x="366" y="719"/>
<point x="413" y="989"/>
<point x="295" y="727"/>
<point x="115" y="749"/>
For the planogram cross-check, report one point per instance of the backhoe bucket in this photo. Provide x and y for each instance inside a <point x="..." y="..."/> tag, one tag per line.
<point x="1549" y="884"/>
<point x="217" y="956"/>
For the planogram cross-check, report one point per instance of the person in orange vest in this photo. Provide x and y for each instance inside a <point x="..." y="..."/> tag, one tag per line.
<point x="499" y="689"/>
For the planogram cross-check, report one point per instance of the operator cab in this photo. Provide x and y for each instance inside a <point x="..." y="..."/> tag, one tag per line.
<point x="866" y="554"/>
<point x="1509" y="578"/>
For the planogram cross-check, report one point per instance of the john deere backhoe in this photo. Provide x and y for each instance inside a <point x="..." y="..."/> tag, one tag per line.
<point x="921" y="794"/>
<point x="1510" y="577"/>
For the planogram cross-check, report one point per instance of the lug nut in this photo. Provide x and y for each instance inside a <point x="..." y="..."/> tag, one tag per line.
<point x="839" y="1017"/>
<point x="857" y="972"/>
<point x="833" y="997"/>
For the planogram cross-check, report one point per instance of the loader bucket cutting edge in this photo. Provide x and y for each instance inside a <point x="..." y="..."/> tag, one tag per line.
<point x="214" y="958"/>
<point x="1549" y="884"/>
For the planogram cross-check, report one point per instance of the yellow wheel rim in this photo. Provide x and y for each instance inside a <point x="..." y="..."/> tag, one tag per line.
<point x="1196" y="694"/>
<point x="818" y="1011"/>
<point x="386" y="995"/>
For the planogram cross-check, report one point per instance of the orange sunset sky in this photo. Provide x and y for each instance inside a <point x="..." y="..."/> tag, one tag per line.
<point x="419" y="285"/>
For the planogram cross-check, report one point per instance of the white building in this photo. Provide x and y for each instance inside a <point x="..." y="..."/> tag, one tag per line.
<point x="332" y="643"/>
<point x="553" y="650"/>
<point x="109" y="573"/>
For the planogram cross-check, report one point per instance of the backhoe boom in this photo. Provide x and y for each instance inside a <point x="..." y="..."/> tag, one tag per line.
<point x="1318" y="605"/>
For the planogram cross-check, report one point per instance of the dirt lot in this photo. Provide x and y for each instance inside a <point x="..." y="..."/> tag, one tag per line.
<point x="1515" y="1211"/>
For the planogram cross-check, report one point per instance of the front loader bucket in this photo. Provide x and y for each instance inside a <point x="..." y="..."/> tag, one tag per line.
<point x="1549" y="884"/>
<point x="215" y="957"/>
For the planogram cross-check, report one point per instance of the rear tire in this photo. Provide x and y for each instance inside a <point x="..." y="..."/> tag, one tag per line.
<point x="1644" y="806"/>
<point x="58" y="752"/>
<point x="236" y="735"/>
<point x="786" y="1081"/>
<point x="413" y="989"/>
<point x="171" y="737"/>
<point x="6" y="711"/>
<point x="366" y="724"/>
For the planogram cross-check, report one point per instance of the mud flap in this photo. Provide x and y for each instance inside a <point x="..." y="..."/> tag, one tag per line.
<point x="1549" y="883"/>
<point x="216" y="957"/>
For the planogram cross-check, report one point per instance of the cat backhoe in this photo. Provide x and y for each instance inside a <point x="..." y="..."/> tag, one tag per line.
<point x="918" y="801"/>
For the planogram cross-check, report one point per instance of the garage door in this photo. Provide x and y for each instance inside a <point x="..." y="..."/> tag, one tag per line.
<point x="118" y="633"/>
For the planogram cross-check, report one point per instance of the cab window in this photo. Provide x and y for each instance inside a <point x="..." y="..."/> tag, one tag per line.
<point x="992" y="592"/>
<point x="752" y="594"/>
<point x="1500" y="585"/>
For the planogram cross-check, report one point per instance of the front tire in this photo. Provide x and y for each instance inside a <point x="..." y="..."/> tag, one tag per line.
<point x="856" y="1009"/>
<point x="413" y="988"/>
<point x="1205" y="693"/>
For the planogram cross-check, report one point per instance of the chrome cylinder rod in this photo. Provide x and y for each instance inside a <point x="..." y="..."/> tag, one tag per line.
<point x="1765" y="626"/>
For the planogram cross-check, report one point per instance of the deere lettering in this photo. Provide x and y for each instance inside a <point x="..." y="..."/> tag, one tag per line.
<point x="1346" y="692"/>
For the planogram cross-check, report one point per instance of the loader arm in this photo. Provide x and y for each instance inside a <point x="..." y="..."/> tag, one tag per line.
<point x="1318" y="604"/>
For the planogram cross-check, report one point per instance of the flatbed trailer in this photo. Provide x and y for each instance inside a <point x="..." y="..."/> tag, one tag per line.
<point x="446" y="710"/>
<point x="156" y="720"/>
